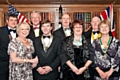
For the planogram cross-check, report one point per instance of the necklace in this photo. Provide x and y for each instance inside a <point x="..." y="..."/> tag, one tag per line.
<point x="105" y="47"/>
<point x="46" y="43"/>
<point x="77" y="43"/>
<point x="24" y="41"/>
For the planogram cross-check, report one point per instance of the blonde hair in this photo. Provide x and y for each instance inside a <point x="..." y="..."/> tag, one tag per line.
<point x="22" y="24"/>
<point x="107" y="22"/>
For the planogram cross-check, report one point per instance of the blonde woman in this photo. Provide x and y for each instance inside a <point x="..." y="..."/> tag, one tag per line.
<point x="20" y="50"/>
<point x="107" y="54"/>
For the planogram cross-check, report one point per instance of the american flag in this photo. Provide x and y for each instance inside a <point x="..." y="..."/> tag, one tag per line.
<point x="13" y="10"/>
<point x="107" y="14"/>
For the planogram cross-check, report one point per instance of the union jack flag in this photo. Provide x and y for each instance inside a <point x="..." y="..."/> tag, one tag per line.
<point x="13" y="10"/>
<point x="107" y="14"/>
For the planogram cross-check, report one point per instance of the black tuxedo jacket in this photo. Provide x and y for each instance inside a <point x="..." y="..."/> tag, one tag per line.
<point x="32" y="34"/>
<point x="50" y="58"/>
<point x="4" y="57"/>
<point x="88" y="35"/>
<point x="60" y="33"/>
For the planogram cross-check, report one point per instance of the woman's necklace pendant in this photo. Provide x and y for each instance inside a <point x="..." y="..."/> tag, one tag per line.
<point x="105" y="56"/>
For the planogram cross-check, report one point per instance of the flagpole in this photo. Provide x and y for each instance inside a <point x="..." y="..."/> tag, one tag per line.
<point x="114" y="2"/>
<point x="8" y="2"/>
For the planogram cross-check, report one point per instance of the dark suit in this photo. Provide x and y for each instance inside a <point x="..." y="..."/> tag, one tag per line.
<point x="60" y="33"/>
<point x="32" y="33"/>
<point x="32" y="37"/>
<point x="4" y="58"/>
<point x="88" y="34"/>
<point x="88" y="37"/>
<point x="50" y="58"/>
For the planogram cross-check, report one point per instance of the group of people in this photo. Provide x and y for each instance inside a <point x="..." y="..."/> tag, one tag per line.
<point x="38" y="53"/>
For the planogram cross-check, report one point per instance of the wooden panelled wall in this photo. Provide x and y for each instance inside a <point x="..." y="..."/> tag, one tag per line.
<point x="67" y="8"/>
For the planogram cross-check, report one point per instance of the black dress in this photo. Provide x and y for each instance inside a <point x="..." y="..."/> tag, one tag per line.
<point x="68" y="74"/>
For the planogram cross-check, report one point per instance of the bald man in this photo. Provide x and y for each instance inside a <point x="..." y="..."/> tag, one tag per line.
<point x="65" y="30"/>
<point x="94" y="32"/>
<point x="91" y="35"/>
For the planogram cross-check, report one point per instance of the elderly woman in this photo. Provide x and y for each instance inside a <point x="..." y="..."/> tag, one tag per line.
<point x="76" y="55"/>
<point x="107" y="54"/>
<point x="20" y="50"/>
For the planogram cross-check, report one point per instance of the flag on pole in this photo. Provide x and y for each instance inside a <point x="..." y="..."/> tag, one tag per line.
<point x="13" y="10"/>
<point x="107" y="14"/>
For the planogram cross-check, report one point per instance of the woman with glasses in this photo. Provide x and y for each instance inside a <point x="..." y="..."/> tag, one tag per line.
<point x="76" y="55"/>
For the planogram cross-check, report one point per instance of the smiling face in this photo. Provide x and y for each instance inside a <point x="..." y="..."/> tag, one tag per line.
<point x="95" y="21"/>
<point x="46" y="28"/>
<point x="78" y="29"/>
<point x="104" y="29"/>
<point x="65" y="20"/>
<point x="12" y="22"/>
<point x="35" y="18"/>
<point x="23" y="30"/>
<point x="104" y="26"/>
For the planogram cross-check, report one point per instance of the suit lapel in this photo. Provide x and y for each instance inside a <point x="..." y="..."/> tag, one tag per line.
<point x="62" y="32"/>
<point x="6" y="33"/>
<point x="40" y="49"/>
<point x="50" y="48"/>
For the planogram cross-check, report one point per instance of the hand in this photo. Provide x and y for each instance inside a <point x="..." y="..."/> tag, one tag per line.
<point x="47" y="69"/>
<point x="75" y="69"/>
<point x="102" y="74"/>
<point x="81" y="70"/>
<point x="59" y="68"/>
<point x="109" y="73"/>
<point x="34" y="60"/>
<point x="34" y="65"/>
<point x="41" y="70"/>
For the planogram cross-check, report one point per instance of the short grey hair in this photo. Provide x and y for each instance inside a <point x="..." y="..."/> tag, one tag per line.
<point x="35" y="12"/>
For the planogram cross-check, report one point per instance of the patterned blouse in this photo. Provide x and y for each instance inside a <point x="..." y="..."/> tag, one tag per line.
<point x="20" y="71"/>
<point x="112" y="56"/>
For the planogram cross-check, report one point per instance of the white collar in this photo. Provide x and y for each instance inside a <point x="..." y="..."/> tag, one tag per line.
<point x="36" y="26"/>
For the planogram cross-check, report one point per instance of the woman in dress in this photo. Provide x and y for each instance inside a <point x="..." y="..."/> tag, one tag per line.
<point x="76" y="55"/>
<point x="107" y="54"/>
<point x="20" y="50"/>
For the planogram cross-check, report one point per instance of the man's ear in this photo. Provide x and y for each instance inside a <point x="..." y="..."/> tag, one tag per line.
<point x="7" y="20"/>
<point x="40" y="18"/>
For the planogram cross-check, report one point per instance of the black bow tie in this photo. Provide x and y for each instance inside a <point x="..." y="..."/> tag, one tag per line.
<point x="12" y="30"/>
<point x="95" y="32"/>
<point x="46" y="37"/>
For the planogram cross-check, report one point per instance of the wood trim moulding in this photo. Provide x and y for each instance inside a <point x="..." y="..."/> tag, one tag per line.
<point x="57" y="5"/>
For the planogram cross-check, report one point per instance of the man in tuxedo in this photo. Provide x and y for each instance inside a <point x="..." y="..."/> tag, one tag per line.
<point x="35" y="28"/>
<point x="65" y="30"/>
<point x="94" y="32"/>
<point x="6" y="34"/>
<point x="47" y="48"/>
<point x="90" y="36"/>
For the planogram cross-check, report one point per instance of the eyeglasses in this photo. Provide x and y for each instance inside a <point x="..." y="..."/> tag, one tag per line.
<point x="78" y="27"/>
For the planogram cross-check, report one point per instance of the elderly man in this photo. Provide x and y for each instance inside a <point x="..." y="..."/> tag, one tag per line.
<point x="35" y="28"/>
<point x="91" y="35"/>
<point x="65" y="30"/>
